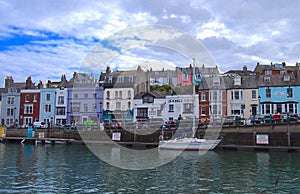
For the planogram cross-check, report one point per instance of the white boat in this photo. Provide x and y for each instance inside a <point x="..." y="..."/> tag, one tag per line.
<point x="192" y="144"/>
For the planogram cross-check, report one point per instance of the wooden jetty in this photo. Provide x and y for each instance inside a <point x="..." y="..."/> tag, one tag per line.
<point x="35" y="140"/>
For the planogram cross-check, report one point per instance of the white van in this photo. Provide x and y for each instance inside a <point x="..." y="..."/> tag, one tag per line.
<point x="39" y="124"/>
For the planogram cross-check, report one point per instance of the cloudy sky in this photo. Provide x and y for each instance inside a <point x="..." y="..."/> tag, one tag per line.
<point x="45" y="39"/>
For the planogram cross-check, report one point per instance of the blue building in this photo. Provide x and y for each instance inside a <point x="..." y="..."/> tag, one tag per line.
<point x="278" y="88"/>
<point x="279" y="99"/>
<point x="10" y="107"/>
<point x="47" y="105"/>
<point x="84" y="104"/>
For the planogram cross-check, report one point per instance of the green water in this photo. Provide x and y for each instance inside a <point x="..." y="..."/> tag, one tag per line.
<point x="74" y="169"/>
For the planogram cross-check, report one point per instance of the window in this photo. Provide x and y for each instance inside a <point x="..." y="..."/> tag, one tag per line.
<point x="94" y="106"/>
<point x="286" y="78"/>
<point x="131" y="79"/>
<point x="253" y="94"/>
<point x="28" y="109"/>
<point x="289" y="92"/>
<point x="109" y="79"/>
<point x="27" y="97"/>
<point x="47" y="108"/>
<point x="10" y="112"/>
<point x="268" y="93"/>
<point x="215" y="95"/>
<point x="120" y="94"/>
<point x="185" y="76"/>
<point x="267" y="79"/>
<point x="75" y="107"/>
<point x="268" y="108"/>
<point x="47" y="97"/>
<point x="60" y="111"/>
<point x="35" y="98"/>
<point x="236" y="95"/>
<point x="216" y="81"/>
<point x="27" y="120"/>
<point x="148" y="99"/>
<point x="107" y="95"/>
<point x="120" y="79"/>
<point x="10" y="100"/>
<point x="237" y="109"/>
<point x="118" y="105"/>
<point x="171" y="107"/>
<point x="159" y="113"/>
<point x="203" y="96"/>
<point x="86" y="95"/>
<point x="107" y="105"/>
<point x="128" y="105"/>
<point x="187" y="107"/>
<point x="268" y="72"/>
<point x="95" y="95"/>
<point x="237" y="81"/>
<point x="203" y="110"/>
<point x="75" y="95"/>
<point x="129" y="94"/>
<point x="282" y="72"/>
<point x="61" y="100"/>
<point x="142" y="112"/>
<point x="116" y="94"/>
<point x="85" y="107"/>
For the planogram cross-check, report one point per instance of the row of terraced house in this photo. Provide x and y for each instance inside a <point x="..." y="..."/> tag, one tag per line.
<point x="138" y="95"/>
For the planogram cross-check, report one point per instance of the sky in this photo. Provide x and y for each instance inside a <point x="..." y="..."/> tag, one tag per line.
<point x="45" y="39"/>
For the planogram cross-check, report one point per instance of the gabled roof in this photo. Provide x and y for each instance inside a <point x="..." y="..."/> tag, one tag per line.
<point x="154" y="93"/>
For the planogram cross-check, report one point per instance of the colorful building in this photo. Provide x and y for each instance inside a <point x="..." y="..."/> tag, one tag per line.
<point x="47" y="105"/>
<point x="84" y="104"/>
<point x="29" y="106"/>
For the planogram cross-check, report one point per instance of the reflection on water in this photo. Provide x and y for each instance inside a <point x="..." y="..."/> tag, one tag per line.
<point x="73" y="168"/>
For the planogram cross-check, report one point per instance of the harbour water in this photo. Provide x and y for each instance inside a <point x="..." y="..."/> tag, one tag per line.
<point x="75" y="169"/>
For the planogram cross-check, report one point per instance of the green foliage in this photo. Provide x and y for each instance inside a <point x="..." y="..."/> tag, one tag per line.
<point x="165" y="89"/>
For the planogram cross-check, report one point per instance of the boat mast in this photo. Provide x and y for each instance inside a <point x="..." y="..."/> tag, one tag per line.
<point x="193" y="95"/>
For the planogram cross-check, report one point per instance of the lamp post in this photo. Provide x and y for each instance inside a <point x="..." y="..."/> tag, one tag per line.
<point x="14" y="116"/>
<point x="259" y="97"/>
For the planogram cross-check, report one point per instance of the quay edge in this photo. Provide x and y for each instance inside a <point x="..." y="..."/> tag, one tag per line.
<point x="281" y="137"/>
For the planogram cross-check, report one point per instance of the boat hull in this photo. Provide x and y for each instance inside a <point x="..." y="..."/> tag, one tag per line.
<point x="189" y="144"/>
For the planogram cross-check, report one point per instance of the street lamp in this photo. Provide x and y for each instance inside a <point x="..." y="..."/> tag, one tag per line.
<point x="14" y="116"/>
<point x="259" y="97"/>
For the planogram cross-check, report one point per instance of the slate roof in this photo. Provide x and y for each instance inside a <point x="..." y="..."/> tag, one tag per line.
<point x="154" y="93"/>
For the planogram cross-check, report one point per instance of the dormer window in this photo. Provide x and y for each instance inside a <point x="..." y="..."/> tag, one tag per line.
<point x="286" y="78"/>
<point x="267" y="79"/>
<point x="282" y="72"/>
<point x="216" y="81"/>
<point x="268" y="72"/>
<point x="148" y="99"/>
<point x="237" y="81"/>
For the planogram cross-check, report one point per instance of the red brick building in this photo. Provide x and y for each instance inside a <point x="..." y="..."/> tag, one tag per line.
<point x="29" y="106"/>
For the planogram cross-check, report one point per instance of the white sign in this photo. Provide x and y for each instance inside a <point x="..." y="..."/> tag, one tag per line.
<point x="116" y="136"/>
<point x="262" y="139"/>
<point x="279" y="94"/>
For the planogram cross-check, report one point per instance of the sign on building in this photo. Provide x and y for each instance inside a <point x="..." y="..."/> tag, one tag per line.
<point x="262" y="139"/>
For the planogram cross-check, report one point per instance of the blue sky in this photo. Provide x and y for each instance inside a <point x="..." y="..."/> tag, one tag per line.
<point x="45" y="39"/>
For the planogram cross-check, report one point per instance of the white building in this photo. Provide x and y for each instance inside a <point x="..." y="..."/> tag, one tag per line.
<point x="186" y="106"/>
<point x="61" y="105"/>
<point x="150" y="105"/>
<point x="118" y="103"/>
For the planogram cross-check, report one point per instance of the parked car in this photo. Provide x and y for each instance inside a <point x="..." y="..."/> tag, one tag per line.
<point x="169" y="124"/>
<point x="290" y="117"/>
<point x="40" y="125"/>
<point x="114" y="124"/>
<point x="231" y="120"/>
<point x="256" y="120"/>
